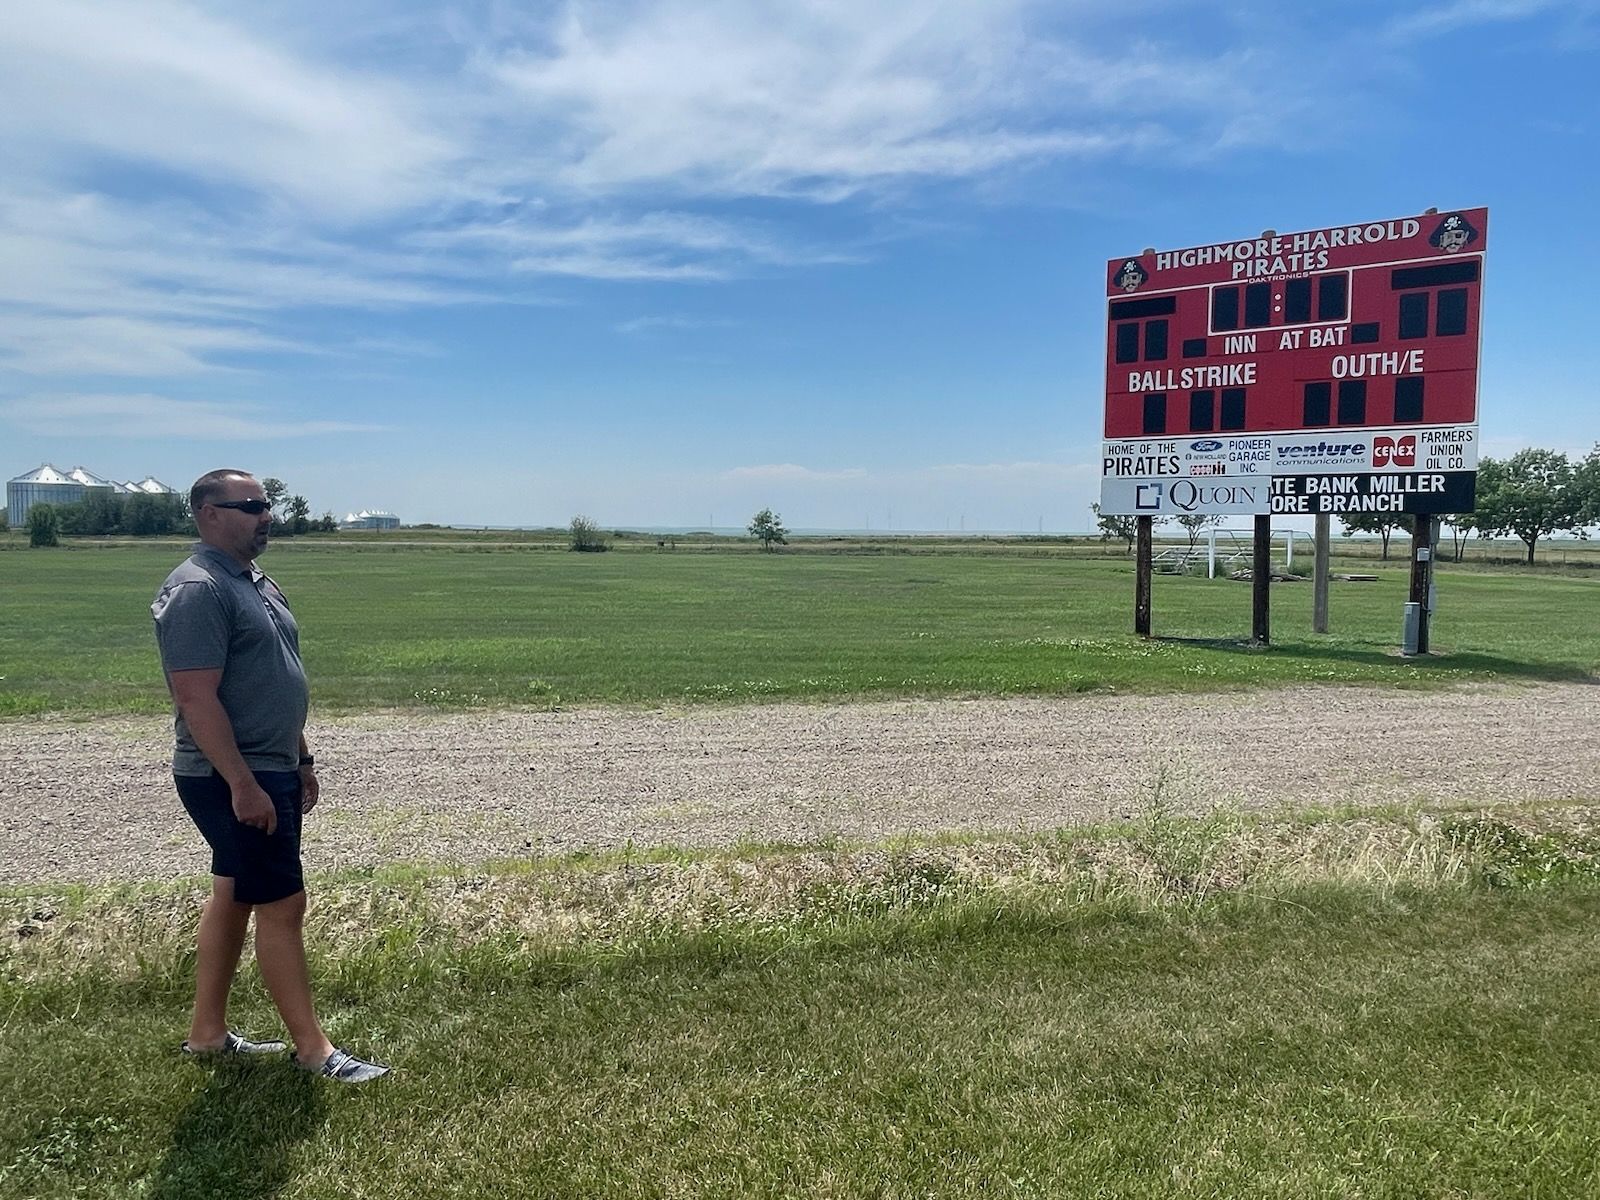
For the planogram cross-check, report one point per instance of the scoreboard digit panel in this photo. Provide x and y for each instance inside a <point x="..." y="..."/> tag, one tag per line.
<point x="1351" y="326"/>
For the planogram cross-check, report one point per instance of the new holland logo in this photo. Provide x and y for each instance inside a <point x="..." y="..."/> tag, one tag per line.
<point x="1395" y="452"/>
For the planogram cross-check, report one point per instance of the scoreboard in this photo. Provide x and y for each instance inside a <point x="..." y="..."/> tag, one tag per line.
<point x="1349" y="350"/>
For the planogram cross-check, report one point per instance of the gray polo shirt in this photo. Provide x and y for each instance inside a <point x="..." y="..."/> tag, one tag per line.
<point x="213" y="613"/>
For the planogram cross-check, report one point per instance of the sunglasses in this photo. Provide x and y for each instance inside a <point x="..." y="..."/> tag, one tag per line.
<point x="254" y="507"/>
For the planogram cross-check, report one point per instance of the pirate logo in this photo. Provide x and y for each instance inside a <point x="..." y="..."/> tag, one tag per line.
<point x="1132" y="276"/>
<point x="1454" y="234"/>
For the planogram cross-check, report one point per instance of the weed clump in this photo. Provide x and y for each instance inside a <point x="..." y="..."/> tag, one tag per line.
<point x="1507" y="856"/>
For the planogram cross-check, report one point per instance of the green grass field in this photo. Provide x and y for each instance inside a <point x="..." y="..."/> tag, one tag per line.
<point x="1172" y="1010"/>
<point x="1389" y="1006"/>
<point x="466" y="625"/>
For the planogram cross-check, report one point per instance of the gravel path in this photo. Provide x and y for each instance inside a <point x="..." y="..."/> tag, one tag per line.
<point x="93" y="800"/>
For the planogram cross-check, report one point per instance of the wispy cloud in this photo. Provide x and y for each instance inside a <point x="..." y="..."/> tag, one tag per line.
<point x="167" y="86"/>
<point x="1438" y="19"/>
<point x="116" y="345"/>
<point x="150" y="416"/>
<point x="820" y="101"/>
<point x="791" y="473"/>
<point x="651" y="245"/>
<point x="671" y="322"/>
<point x="189" y="172"/>
<point x="1012" y="472"/>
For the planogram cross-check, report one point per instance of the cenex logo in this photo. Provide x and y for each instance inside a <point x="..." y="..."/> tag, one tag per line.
<point x="1206" y="445"/>
<point x="1394" y="452"/>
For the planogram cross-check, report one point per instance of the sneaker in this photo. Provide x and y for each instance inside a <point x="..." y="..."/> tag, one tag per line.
<point x="345" y="1067"/>
<point x="232" y="1043"/>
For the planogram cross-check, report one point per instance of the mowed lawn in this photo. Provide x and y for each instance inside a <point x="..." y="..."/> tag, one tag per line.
<point x="1331" y="1042"/>
<point x="459" y="627"/>
<point x="1154" y="1015"/>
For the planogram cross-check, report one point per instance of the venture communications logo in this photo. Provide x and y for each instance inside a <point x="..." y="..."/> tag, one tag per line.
<point x="1321" y="452"/>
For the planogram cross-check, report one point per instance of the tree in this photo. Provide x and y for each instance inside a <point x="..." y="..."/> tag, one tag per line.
<point x="768" y="526"/>
<point x="275" y="490"/>
<point x="586" y="537"/>
<point x="97" y="514"/>
<point x="1195" y="524"/>
<point x="43" y="526"/>
<point x="1462" y="526"/>
<point x="327" y="523"/>
<point x="1531" y="494"/>
<point x="1588" y="483"/>
<point x="145" y="515"/>
<point x="1382" y="524"/>
<point x="299" y="517"/>
<point x="1115" y="526"/>
<point x="5" y="520"/>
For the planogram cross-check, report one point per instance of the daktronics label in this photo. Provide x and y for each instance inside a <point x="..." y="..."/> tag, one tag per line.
<point x="1428" y="448"/>
<point x="1328" y="331"/>
<point x="1408" y="492"/>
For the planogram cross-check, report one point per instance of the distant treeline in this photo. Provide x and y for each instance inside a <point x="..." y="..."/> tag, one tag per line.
<point x="104" y="513"/>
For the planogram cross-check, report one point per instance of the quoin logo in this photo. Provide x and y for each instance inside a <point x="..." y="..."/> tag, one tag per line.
<point x="1191" y="496"/>
<point x="1206" y="445"/>
<point x="1395" y="452"/>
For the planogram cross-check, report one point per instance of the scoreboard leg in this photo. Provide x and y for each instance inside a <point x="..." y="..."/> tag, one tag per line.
<point x="1421" y="573"/>
<point x="1319" y="577"/>
<point x="1261" y="583"/>
<point x="1141" y="579"/>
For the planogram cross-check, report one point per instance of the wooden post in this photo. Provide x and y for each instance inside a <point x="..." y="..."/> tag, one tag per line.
<point x="1319" y="577"/>
<point x="1421" y="573"/>
<point x="1261" y="583"/>
<point x="1141" y="580"/>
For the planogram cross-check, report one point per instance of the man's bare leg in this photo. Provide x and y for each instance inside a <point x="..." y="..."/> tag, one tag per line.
<point x="281" y="953"/>
<point x="217" y="948"/>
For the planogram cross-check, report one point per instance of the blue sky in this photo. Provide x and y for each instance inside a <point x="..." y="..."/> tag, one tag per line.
<point x="668" y="263"/>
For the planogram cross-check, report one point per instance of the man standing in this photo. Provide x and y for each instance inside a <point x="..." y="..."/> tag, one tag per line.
<point x="231" y="653"/>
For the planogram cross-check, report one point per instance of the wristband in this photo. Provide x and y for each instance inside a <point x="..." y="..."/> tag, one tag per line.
<point x="307" y="760"/>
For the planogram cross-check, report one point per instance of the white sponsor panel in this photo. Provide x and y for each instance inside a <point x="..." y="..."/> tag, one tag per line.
<point x="1180" y="496"/>
<point x="1333" y="451"/>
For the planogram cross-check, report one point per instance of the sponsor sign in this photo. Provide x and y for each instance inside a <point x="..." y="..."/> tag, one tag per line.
<point x="1405" y="448"/>
<point x="1180" y="495"/>
<point x="1326" y="331"/>
<point x="1395" y="492"/>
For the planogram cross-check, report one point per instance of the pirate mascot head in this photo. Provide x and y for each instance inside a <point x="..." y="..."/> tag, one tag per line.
<point x="1132" y="276"/>
<point x="1454" y="234"/>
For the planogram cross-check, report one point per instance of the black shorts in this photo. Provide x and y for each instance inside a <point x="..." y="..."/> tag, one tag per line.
<point x="263" y="868"/>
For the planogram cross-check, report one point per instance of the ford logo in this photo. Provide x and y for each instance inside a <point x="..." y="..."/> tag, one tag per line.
<point x="1206" y="444"/>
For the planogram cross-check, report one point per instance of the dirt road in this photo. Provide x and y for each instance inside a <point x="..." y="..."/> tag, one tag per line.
<point x="93" y="800"/>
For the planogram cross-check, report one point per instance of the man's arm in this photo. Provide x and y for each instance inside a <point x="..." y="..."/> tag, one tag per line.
<point x="310" y="788"/>
<point x="196" y="695"/>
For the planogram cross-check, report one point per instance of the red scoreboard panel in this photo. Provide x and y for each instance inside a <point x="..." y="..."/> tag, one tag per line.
<point x="1357" y="325"/>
